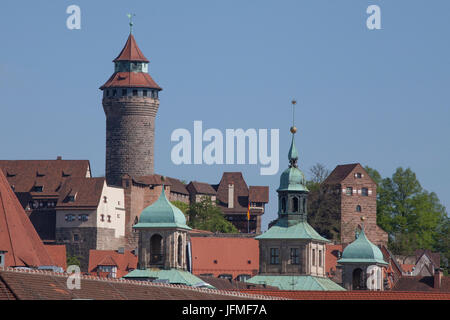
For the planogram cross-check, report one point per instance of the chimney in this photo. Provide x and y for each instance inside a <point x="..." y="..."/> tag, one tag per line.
<point x="437" y="278"/>
<point x="58" y="158"/>
<point x="230" y="195"/>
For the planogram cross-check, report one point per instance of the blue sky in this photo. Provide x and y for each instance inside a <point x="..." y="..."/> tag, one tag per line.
<point x="377" y="97"/>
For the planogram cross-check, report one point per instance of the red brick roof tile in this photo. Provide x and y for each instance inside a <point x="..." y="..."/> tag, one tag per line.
<point x="131" y="52"/>
<point x="222" y="255"/>
<point x="340" y="173"/>
<point x="131" y="80"/>
<point x="58" y="255"/>
<point x="17" y="235"/>
<point x="125" y="262"/>
<point x="87" y="193"/>
<point x="201" y="188"/>
<point x="177" y="186"/>
<point x="258" y="194"/>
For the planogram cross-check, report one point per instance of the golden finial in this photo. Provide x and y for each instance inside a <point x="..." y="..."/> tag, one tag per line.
<point x="293" y="128"/>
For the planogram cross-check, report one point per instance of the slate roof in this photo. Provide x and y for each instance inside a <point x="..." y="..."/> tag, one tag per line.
<point x="87" y="193"/>
<point x="125" y="262"/>
<point x="224" y="255"/>
<point x="17" y="235"/>
<point x="44" y="285"/>
<point x="292" y="282"/>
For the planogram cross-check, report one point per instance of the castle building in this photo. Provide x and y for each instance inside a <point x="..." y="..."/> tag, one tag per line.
<point x="292" y="253"/>
<point x="130" y="102"/>
<point x="355" y="193"/>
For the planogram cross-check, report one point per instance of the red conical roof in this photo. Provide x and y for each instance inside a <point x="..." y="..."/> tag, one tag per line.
<point x="17" y="234"/>
<point x="131" y="52"/>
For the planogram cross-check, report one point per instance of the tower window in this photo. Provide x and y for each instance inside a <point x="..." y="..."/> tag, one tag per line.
<point x="295" y="204"/>
<point x="320" y="258"/>
<point x="295" y="257"/>
<point x="283" y="204"/>
<point x="313" y="258"/>
<point x="107" y="93"/>
<point x="135" y="93"/>
<point x="349" y="191"/>
<point x="274" y="256"/>
<point x="144" y="93"/>
<point x="114" y="93"/>
<point x="365" y="192"/>
<point x="102" y="217"/>
<point x="124" y="92"/>
<point x="358" y="208"/>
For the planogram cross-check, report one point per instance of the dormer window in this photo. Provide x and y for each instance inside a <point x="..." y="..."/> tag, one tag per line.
<point x="2" y="258"/>
<point x="71" y="198"/>
<point x="38" y="189"/>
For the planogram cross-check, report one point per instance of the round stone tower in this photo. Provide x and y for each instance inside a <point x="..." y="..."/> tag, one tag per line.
<point x="130" y="102"/>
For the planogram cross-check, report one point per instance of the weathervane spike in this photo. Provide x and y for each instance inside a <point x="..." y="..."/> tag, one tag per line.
<point x="130" y="16"/>
<point x="293" y="128"/>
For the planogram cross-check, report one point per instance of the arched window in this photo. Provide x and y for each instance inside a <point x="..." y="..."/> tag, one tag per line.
<point x="358" y="208"/>
<point x="180" y="250"/>
<point x="357" y="279"/>
<point x="304" y="204"/>
<point x="283" y="204"/>
<point x="294" y="204"/>
<point x="156" y="249"/>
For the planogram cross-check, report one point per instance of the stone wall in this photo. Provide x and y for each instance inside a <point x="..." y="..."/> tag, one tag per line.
<point x="130" y="129"/>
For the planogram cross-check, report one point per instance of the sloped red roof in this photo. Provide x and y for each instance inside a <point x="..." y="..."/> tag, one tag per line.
<point x="17" y="235"/>
<point x="131" y="52"/>
<point x="177" y="186"/>
<point x="223" y="255"/>
<point x="131" y="80"/>
<point x="201" y="187"/>
<point x="50" y="174"/>
<point x="408" y="267"/>
<point x="420" y="283"/>
<point x="340" y="173"/>
<point x="87" y="192"/>
<point x="58" y="255"/>
<point x="125" y="262"/>
<point x="350" y="295"/>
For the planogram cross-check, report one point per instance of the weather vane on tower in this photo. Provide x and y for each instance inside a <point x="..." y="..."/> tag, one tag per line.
<point x="293" y="128"/>
<point x="130" y="16"/>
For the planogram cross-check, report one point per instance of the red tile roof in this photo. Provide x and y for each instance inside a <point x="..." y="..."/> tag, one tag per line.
<point x="420" y="283"/>
<point x="17" y="235"/>
<point x="50" y="174"/>
<point x="340" y="173"/>
<point x="131" y="80"/>
<point x="125" y="262"/>
<point x="87" y="193"/>
<point x="350" y="295"/>
<point x="408" y="267"/>
<point x="131" y="52"/>
<point x="201" y="188"/>
<point x="177" y="186"/>
<point x="44" y="285"/>
<point x="222" y="255"/>
<point x="58" y="255"/>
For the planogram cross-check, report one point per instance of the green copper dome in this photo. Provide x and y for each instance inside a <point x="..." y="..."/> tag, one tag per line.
<point x="292" y="179"/>
<point x="162" y="214"/>
<point x="362" y="251"/>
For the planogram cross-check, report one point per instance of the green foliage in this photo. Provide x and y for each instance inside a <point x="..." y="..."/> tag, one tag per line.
<point x="413" y="217"/>
<point x="205" y="215"/>
<point x="73" y="261"/>
<point x="184" y="207"/>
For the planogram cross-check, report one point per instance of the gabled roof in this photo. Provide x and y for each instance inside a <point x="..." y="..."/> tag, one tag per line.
<point x="131" y="52"/>
<point x="87" y="192"/>
<point x="50" y="174"/>
<point x="201" y="188"/>
<point x="17" y="235"/>
<point x="177" y="186"/>
<point x="58" y="255"/>
<point x="340" y="173"/>
<point x="123" y="261"/>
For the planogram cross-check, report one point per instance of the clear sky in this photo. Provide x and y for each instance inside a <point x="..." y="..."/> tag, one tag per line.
<point x="377" y="97"/>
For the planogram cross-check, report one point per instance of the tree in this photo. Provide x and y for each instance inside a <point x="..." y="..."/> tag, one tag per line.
<point x="318" y="174"/>
<point x="184" y="207"/>
<point x="73" y="260"/>
<point x="413" y="217"/>
<point x="205" y="215"/>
